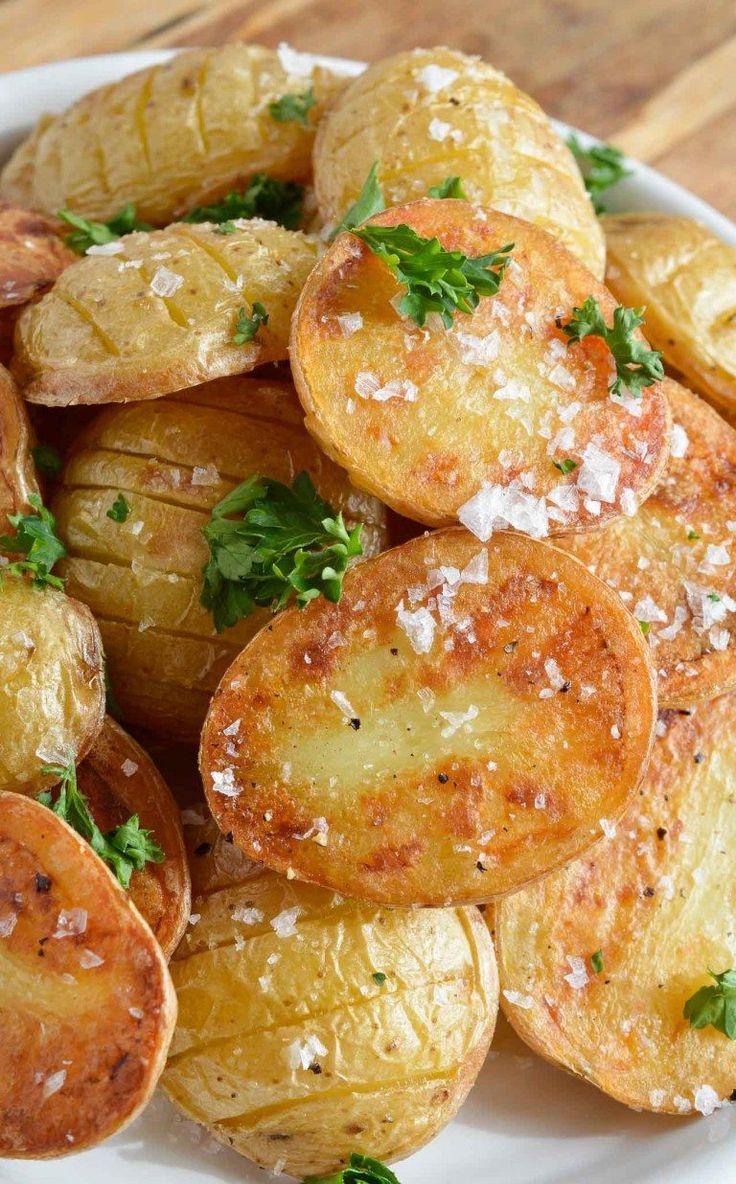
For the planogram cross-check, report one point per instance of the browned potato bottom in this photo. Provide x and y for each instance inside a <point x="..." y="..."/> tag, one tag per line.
<point x="17" y="471"/>
<point x="32" y="254"/>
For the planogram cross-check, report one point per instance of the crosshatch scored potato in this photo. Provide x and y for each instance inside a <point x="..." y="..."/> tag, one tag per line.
<point x="173" y="459"/>
<point x="32" y="254"/>
<point x="86" y="1000"/>
<point x="658" y="902"/>
<point x="427" y="418"/>
<point x="157" y="313"/>
<point x="17" y="471"/>
<point x="427" y="114"/>
<point x="311" y="1026"/>
<point x="172" y="136"/>
<point x="464" y="720"/>
<point x="672" y="563"/>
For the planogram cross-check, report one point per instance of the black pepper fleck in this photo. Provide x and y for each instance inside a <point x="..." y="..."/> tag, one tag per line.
<point x="648" y="891"/>
<point x="43" y="883"/>
<point x="203" y="849"/>
<point x="442" y="778"/>
<point x="315" y="1068"/>
<point x="698" y="758"/>
<point x="661" y="832"/>
<point x="355" y="724"/>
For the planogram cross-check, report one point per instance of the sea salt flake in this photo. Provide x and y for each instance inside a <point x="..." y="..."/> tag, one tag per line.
<point x="303" y="1054"/>
<point x="300" y="65"/>
<point x="540" y="801"/>
<point x="128" y="767"/>
<point x="436" y="78"/>
<point x="418" y="626"/>
<point x="456" y="719"/>
<point x="608" y="828"/>
<point x="88" y="959"/>
<point x="369" y="386"/>
<point x="478" y="351"/>
<point x="165" y="282"/>
<point x="599" y="473"/>
<point x="648" y="611"/>
<point x="247" y="915"/>
<point x="53" y="1083"/>
<point x="673" y="629"/>
<point x="205" y="475"/>
<point x="496" y="507"/>
<point x="350" y="322"/>
<point x="114" y="248"/>
<point x="552" y="670"/>
<point x="284" y="924"/>
<point x="8" y="924"/>
<point x="578" y="976"/>
<point x="679" y="441"/>
<point x="628" y="502"/>
<point x="719" y="638"/>
<point x="656" y="1098"/>
<point x="718" y="556"/>
<point x="232" y="729"/>
<point x="524" y="1001"/>
<point x="706" y="1100"/>
<point x="70" y="922"/>
<point x="223" y="781"/>
<point x="340" y="700"/>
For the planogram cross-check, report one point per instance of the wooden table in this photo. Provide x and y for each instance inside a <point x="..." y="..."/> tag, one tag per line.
<point x="657" y="77"/>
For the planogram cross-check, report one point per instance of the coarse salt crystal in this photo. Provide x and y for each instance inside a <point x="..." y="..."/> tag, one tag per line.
<point x="418" y="626"/>
<point x="456" y="719"/>
<point x="552" y="670"/>
<point x="205" y="475"/>
<point x="672" y="630"/>
<point x="608" y="828"/>
<point x="628" y="502"/>
<point x="679" y="441"/>
<point x="305" y="1054"/>
<point x="578" y="976"/>
<point x="232" y="729"/>
<point x="599" y="473"/>
<point x="292" y="62"/>
<point x="223" y="781"/>
<point x="436" y="78"/>
<point x="247" y="915"/>
<point x="284" y="924"/>
<point x="478" y="351"/>
<point x="519" y="1000"/>
<point x="718" y="556"/>
<point x="114" y="248"/>
<point x="128" y="768"/>
<point x="88" y="959"/>
<point x="719" y="638"/>
<point x="495" y="507"/>
<point x="165" y="282"/>
<point x="54" y="1082"/>
<point x="136" y="1013"/>
<point x="70" y="922"/>
<point x="706" y="1100"/>
<point x="540" y="801"/>
<point x="8" y="924"/>
<point x="350" y="322"/>
<point x="646" y="610"/>
<point x="340" y="700"/>
<point x="615" y="731"/>
<point x="369" y="386"/>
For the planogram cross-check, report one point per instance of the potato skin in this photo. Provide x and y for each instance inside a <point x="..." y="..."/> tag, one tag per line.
<point x="52" y="695"/>
<point x="102" y="335"/>
<point x="32" y="254"/>
<point x="105" y="1025"/>
<point x="686" y="277"/>
<point x="17" y="471"/>
<point x="173" y="459"/>
<point x="169" y="137"/>
<point x="447" y="769"/>
<point x="119" y="779"/>
<point x="658" y="901"/>
<point x="658" y="559"/>
<point x="495" y="400"/>
<point x="399" y="1057"/>
<point x="477" y="125"/>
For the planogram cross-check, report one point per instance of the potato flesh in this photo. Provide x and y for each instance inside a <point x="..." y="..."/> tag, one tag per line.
<point x="499" y="399"/>
<point x="399" y="1056"/>
<point x="52" y="697"/>
<point x="658" y="901"/>
<point x="169" y="137"/>
<point x="451" y="775"/>
<point x="476" y="125"/>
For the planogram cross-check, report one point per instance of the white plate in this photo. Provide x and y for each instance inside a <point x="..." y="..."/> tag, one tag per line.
<point x="525" y="1122"/>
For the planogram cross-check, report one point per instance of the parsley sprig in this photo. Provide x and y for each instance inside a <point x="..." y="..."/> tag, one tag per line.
<point x="263" y="197"/>
<point x="94" y="234"/>
<point x="714" y="1006"/>
<point x="601" y="165"/>
<point x="293" y="108"/>
<point x="125" y="849"/>
<point x="369" y="201"/>
<point x="119" y="510"/>
<point x="450" y="187"/>
<point x="47" y="460"/>
<point x="360" y="1170"/>
<point x="436" y="280"/>
<point x="269" y="544"/>
<point x="246" y="327"/>
<point x="36" y="539"/>
<point x="637" y="366"/>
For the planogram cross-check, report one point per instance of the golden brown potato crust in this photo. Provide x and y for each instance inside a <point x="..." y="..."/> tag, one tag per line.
<point x="119" y="779"/>
<point x="173" y="459"/>
<point x="658" y="901"/>
<point x="32" y="254"/>
<point x="17" y="471"/>
<point x="160" y="314"/>
<point x="290" y="1051"/>
<point x="427" y="114"/>
<point x="424" y="418"/>
<point x="686" y="277"/>
<point x="171" y="137"/>
<point x="85" y="997"/>
<point x="455" y="727"/>
<point x="672" y="561"/>
<point x="52" y="695"/>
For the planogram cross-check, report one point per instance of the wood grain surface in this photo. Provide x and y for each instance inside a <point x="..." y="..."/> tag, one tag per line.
<point x="657" y="77"/>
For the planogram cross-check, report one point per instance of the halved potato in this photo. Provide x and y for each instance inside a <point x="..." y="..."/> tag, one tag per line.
<point x="52" y="694"/>
<point x="671" y="563"/>
<point x="427" y="114"/>
<point x="455" y="727"/>
<point x="311" y="1026"/>
<point x="172" y="460"/>
<point x="657" y="903"/>
<point x="86" y="1001"/>
<point x="32" y="254"/>
<point x="119" y="779"/>
<point x="17" y="471"/>
<point x="172" y="136"/>
<point x="160" y="313"/>
<point x="426" y="419"/>
<point x="686" y="277"/>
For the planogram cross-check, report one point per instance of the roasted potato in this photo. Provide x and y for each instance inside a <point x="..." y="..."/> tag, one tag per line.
<point x="52" y="695"/>
<point x="17" y="471"/>
<point x="455" y="727"/>
<point x="127" y="325"/>
<point x="427" y="418"/>
<point x="87" y="1003"/>
<point x="426" y="114"/>
<point x="686" y="277"/>
<point x="311" y="1026"/>
<point x="32" y="254"/>
<point x="172" y="136"/>
<point x="657" y="903"/>
<point x="671" y="563"/>
<point x="173" y="459"/>
<point x="119" y="779"/>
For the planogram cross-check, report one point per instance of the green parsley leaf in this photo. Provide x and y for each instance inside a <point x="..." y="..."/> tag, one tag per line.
<point x="246" y="326"/>
<point x="692" y="536"/>
<point x="637" y="366"/>
<point x="378" y="977"/>
<point x="714" y="1006"/>
<point x="35" y="538"/>
<point x="370" y="201"/>
<point x="293" y="108"/>
<point x="360" y="1170"/>
<point x="269" y="544"/>
<point x="94" y="234"/>
<point x="112" y="707"/>
<point x="566" y="466"/>
<point x="596" y="961"/>
<point x="450" y="187"/>
<point x="714" y="597"/>
<point x="47" y="460"/>
<point x="119" y="510"/>
<point x="645" y="627"/>
<point x="601" y="165"/>
<point x="436" y="280"/>
<point x="125" y="849"/>
<point x="264" y="197"/>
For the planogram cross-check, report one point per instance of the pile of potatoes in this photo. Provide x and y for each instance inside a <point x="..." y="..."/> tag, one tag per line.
<point x="518" y="715"/>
